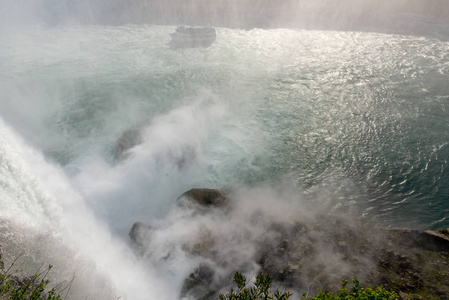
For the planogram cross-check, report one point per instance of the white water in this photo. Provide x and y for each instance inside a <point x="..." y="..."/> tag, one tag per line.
<point x="38" y="199"/>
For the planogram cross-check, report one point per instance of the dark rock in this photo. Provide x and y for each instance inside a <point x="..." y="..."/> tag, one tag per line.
<point x="140" y="234"/>
<point x="199" y="284"/>
<point x="203" y="273"/>
<point x="318" y="253"/>
<point x="204" y="198"/>
<point x="427" y="240"/>
<point x="181" y="157"/>
<point x="2" y="265"/>
<point x="438" y="240"/>
<point x="128" y="140"/>
<point x="203" y="244"/>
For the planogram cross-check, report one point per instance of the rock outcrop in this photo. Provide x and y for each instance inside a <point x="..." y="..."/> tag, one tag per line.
<point x="309" y="254"/>
<point x="407" y="261"/>
<point x="199" y="284"/>
<point x="2" y="264"/>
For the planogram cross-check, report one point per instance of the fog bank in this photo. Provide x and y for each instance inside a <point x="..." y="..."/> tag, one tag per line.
<point x="332" y="14"/>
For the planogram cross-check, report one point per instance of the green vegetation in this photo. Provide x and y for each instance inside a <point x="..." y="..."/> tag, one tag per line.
<point x="262" y="291"/>
<point x="356" y="292"/>
<point x="26" y="288"/>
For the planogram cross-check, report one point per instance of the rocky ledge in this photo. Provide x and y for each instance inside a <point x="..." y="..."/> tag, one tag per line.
<point x="308" y="254"/>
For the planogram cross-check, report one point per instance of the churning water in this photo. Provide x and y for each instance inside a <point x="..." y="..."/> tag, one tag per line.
<point x="356" y="122"/>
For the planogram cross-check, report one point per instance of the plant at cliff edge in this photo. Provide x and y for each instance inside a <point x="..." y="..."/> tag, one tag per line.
<point x="262" y="291"/>
<point x="26" y="288"/>
<point x="356" y="292"/>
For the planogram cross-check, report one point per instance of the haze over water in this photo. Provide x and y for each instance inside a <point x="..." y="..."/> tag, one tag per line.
<point x="353" y="122"/>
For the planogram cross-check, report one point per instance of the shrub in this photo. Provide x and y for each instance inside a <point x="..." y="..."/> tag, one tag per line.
<point x="355" y="293"/>
<point x="26" y="288"/>
<point x="262" y="291"/>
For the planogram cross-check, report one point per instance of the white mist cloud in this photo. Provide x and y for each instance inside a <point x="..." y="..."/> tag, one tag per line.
<point x="228" y="240"/>
<point x="170" y="151"/>
<point x="257" y="230"/>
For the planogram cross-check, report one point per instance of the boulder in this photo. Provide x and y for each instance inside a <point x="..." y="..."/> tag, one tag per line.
<point x="128" y="140"/>
<point x="198" y="284"/>
<point x="204" y="198"/>
<point x="140" y="234"/>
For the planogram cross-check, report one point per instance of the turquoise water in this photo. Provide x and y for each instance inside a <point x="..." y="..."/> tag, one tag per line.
<point x="363" y="115"/>
<point x="353" y="122"/>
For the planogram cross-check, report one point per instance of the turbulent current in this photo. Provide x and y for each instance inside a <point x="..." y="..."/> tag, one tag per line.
<point x="347" y="121"/>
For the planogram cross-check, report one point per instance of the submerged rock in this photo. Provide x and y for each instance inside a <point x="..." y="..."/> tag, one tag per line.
<point x="129" y="139"/>
<point x="180" y="156"/>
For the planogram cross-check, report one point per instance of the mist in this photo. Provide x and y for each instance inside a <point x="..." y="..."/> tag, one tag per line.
<point x="322" y="14"/>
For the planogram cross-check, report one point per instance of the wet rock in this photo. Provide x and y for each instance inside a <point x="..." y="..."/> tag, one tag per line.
<point x="204" y="198"/>
<point x="140" y="235"/>
<point x="199" y="284"/>
<point x="205" y="242"/>
<point x="2" y="265"/>
<point x="318" y="253"/>
<point x="180" y="157"/>
<point x="128" y="140"/>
